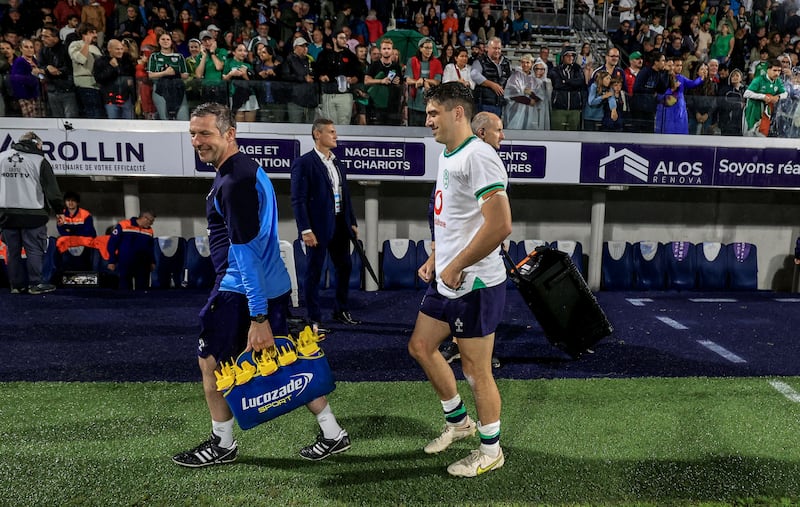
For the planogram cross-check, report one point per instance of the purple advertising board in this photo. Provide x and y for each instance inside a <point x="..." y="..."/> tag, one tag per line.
<point x="757" y="167"/>
<point x="524" y="161"/>
<point x="655" y="165"/>
<point x="382" y="158"/>
<point x="274" y="155"/>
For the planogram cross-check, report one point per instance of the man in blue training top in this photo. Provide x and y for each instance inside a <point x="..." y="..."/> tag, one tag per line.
<point x="250" y="299"/>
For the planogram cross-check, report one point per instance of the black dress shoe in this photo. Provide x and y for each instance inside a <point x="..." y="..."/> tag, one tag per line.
<point x="345" y="318"/>
<point x="321" y="331"/>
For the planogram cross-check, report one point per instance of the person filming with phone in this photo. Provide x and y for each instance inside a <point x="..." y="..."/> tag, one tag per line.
<point x="383" y="80"/>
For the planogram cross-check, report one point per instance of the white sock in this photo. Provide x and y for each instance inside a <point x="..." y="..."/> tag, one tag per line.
<point x="224" y="430"/>
<point x="451" y="404"/>
<point x="327" y="423"/>
<point x="490" y="438"/>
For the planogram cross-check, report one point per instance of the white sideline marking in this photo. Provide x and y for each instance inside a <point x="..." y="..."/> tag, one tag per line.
<point x="786" y="390"/>
<point x="719" y="349"/>
<point x="638" y="301"/>
<point x="712" y="300"/>
<point x="674" y="324"/>
<point x="787" y="300"/>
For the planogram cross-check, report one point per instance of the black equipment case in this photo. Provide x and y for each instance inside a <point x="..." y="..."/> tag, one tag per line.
<point x="559" y="298"/>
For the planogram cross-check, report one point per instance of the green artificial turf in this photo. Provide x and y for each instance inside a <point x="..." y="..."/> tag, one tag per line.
<point x="687" y="441"/>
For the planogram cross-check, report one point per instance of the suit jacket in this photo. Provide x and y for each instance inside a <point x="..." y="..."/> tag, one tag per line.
<point x="312" y="197"/>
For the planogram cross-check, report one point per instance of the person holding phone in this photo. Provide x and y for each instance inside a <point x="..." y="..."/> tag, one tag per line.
<point x="384" y="86"/>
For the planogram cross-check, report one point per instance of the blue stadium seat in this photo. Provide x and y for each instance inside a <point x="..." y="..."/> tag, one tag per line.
<point x="712" y="266"/>
<point x="198" y="268"/>
<point x="301" y="261"/>
<point x="287" y="254"/>
<point x="76" y="258"/>
<point x="357" y="272"/>
<point x="50" y="262"/>
<point x="743" y="266"/>
<point x="617" y="265"/>
<point x="170" y="254"/>
<point x="572" y="248"/>
<point x="525" y="247"/>
<point x="681" y="265"/>
<point x="423" y="252"/>
<point x="648" y="265"/>
<point x="399" y="266"/>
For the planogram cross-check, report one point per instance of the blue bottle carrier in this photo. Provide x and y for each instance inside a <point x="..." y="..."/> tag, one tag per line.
<point x="260" y="386"/>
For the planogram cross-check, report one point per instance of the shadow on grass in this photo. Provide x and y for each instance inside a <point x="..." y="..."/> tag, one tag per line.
<point x="532" y="477"/>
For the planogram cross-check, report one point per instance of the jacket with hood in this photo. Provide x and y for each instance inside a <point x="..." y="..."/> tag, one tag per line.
<point x="28" y="187"/>
<point x="569" y="86"/>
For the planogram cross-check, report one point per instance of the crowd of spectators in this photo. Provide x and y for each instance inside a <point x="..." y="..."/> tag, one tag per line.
<point x="669" y="67"/>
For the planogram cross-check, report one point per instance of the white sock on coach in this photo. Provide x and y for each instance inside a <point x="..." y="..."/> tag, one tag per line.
<point x="224" y="430"/>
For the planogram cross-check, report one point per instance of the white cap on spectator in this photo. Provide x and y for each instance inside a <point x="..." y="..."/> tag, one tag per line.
<point x="205" y="34"/>
<point x="299" y="42"/>
<point x="213" y="27"/>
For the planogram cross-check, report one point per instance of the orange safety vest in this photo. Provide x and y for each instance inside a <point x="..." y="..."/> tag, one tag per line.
<point x="79" y="218"/>
<point x="101" y="244"/>
<point x="64" y="243"/>
<point x="127" y="226"/>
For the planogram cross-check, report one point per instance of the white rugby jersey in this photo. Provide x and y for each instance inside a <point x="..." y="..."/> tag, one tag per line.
<point x="465" y="176"/>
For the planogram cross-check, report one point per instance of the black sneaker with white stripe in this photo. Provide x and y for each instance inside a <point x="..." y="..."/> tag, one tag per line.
<point x="206" y="454"/>
<point x="325" y="447"/>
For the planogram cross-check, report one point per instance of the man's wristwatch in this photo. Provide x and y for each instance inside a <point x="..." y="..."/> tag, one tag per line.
<point x="259" y="319"/>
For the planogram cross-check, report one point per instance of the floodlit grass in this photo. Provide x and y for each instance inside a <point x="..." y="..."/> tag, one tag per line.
<point x="649" y="442"/>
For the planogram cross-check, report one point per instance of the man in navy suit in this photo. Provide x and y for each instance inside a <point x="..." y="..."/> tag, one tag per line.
<point x="325" y="219"/>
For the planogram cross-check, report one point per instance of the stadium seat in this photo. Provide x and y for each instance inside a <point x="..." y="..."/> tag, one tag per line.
<point x="648" y="265"/>
<point x="105" y="277"/>
<point x="525" y="247"/>
<point x="50" y="262"/>
<point x="617" y="265"/>
<point x="712" y="266"/>
<point x="170" y="254"/>
<point x="198" y="268"/>
<point x="742" y="266"/>
<point x="423" y="252"/>
<point x="681" y="265"/>
<point x="301" y="261"/>
<point x="572" y="248"/>
<point x="399" y="266"/>
<point x="76" y="258"/>
<point x="287" y="254"/>
<point x="357" y="272"/>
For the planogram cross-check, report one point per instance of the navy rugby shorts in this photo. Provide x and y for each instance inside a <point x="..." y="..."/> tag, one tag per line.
<point x="225" y="321"/>
<point x="474" y="315"/>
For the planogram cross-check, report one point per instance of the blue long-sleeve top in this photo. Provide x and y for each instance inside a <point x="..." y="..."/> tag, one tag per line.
<point x="243" y="238"/>
<point x="131" y="243"/>
<point x="79" y="223"/>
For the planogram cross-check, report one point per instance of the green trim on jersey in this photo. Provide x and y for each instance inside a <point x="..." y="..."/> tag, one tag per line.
<point x="478" y="284"/>
<point x="494" y="186"/>
<point x="460" y="146"/>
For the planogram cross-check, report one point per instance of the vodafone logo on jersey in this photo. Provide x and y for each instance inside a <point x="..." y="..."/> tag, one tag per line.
<point x="438" y="204"/>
